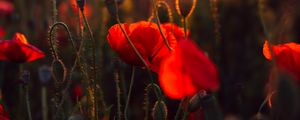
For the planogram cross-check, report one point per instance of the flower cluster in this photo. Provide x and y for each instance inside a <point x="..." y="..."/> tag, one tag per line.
<point x="182" y="71"/>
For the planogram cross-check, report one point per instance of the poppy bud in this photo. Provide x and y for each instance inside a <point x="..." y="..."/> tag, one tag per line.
<point x="195" y="101"/>
<point x="160" y="111"/>
<point x="80" y="4"/>
<point x="211" y="108"/>
<point x="111" y="6"/>
<point x="185" y="7"/>
<point x="44" y="74"/>
<point x="25" y="77"/>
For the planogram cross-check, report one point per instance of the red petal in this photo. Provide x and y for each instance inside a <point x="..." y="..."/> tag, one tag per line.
<point x="18" y="50"/>
<point x="201" y="69"/>
<point x="174" y="79"/>
<point x="178" y="31"/>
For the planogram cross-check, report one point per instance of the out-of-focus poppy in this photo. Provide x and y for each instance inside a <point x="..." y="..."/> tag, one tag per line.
<point x="3" y="113"/>
<point x="186" y="71"/>
<point x="6" y="7"/>
<point x="77" y="91"/>
<point x="287" y="57"/>
<point x="176" y="30"/>
<point x="146" y="38"/>
<point x="2" y="33"/>
<point x="19" y="50"/>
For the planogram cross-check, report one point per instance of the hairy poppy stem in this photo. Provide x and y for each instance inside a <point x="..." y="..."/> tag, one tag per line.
<point x="265" y="101"/>
<point x="260" y="10"/>
<point x="129" y="93"/>
<point x="94" y="67"/>
<point x="158" y="25"/>
<point x="186" y="112"/>
<point x="180" y="107"/>
<point x="117" y="80"/>
<point x="27" y="101"/>
<point x="185" y="28"/>
<point x="146" y="98"/>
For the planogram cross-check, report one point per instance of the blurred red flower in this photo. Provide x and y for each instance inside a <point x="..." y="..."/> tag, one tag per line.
<point x="19" y="50"/>
<point x="287" y="57"/>
<point x="2" y="33"/>
<point x="178" y="31"/>
<point x="6" y="7"/>
<point x="146" y="38"/>
<point x="186" y="71"/>
<point x="77" y="91"/>
<point x="3" y="113"/>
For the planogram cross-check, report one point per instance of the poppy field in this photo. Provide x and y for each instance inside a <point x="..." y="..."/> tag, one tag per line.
<point x="149" y="59"/>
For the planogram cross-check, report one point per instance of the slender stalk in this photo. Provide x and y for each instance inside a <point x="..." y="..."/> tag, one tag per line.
<point x="28" y="102"/>
<point x="180" y="107"/>
<point x="260" y="10"/>
<point x="129" y="93"/>
<point x="117" y="80"/>
<point x="265" y="101"/>
<point x="44" y="103"/>
<point x="158" y="25"/>
<point x="186" y="112"/>
<point x="185" y="27"/>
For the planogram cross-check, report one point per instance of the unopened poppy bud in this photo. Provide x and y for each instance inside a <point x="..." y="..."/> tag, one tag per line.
<point x="80" y="4"/>
<point x="185" y="7"/>
<point x="195" y="101"/>
<point x="44" y="73"/>
<point x="160" y="111"/>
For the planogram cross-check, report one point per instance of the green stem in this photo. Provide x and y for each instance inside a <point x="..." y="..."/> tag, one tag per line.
<point x="180" y="107"/>
<point x="186" y="112"/>
<point x="185" y="27"/>
<point x="117" y="80"/>
<point x="158" y="25"/>
<point x="129" y="93"/>
<point x="28" y="102"/>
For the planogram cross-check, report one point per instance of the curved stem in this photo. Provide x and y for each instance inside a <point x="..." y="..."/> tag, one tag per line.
<point x="159" y="27"/>
<point x="129" y="93"/>
<point x="260" y="9"/>
<point x="180" y="107"/>
<point x="265" y="101"/>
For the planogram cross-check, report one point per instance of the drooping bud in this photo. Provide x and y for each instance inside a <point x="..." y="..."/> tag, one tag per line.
<point x="195" y="102"/>
<point x="185" y="7"/>
<point x="160" y="111"/>
<point x="80" y="4"/>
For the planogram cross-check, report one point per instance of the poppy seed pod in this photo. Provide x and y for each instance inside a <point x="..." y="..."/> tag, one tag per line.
<point x="80" y="4"/>
<point x="160" y="111"/>
<point x="185" y="7"/>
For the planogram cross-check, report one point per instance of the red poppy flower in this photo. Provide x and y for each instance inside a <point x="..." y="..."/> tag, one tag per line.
<point x="6" y="7"/>
<point x="146" y="38"/>
<point x="186" y="71"/>
<point x="178" y="31"/>
<point x="77" y="91"/>
<point x="3" y="113"/>
<point x="2" y="32"/>
<point x="287" y="57"/>
<point x="19" y="50"/>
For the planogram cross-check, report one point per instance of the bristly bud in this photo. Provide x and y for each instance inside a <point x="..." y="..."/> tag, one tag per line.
<point x="195" y="102"/>
<point x="80" y="4"/>
<point x="44" y="73"/>
<point x="111" y="6"/>
<point x="160" y="111"/>
<point x="25" y="77"/>
<point x="185" y="7"/>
